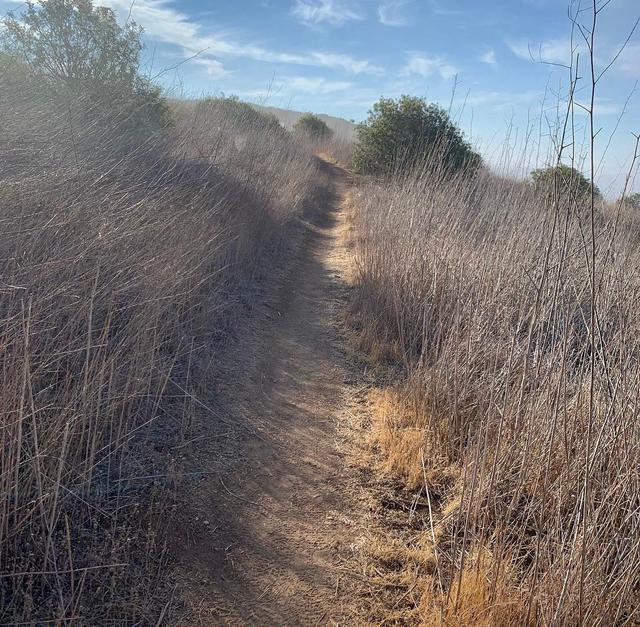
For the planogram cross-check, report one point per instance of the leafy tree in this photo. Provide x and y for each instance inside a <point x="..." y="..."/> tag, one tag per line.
<point x="399" y="135"/>
<point x="310" y="126"/>
<point x="568" y="181"/>
<point x="81" y="48"/>
<point x="71" y="41"/>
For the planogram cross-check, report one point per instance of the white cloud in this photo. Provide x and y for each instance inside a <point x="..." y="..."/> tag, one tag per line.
<point x="607" y="108"/>
<point x="290" y="87"/>
<point x="489" y="57"/>
<point x="213" y="67"/>
<point x="166" y="24"/>
<point x="423" y="65"/>
<point x="501" y="100"/>
<point x="390" y="12"/>
<point x="341" y="61"/>
<point x="563" y="51"/>
<point x="335" y="12"/>
<point x="549" y="51"/>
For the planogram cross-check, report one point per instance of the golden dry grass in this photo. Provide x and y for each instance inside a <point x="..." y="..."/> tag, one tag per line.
<point x="400" y="431"/>
<point x="477" y="598"/>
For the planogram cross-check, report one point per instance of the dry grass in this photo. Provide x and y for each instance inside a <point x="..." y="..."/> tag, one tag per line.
<point x="476" y="293"/>
<point x="128" y="265"/>
<point x="340" y="150"/>
<point x="479" y="597"/>
<point x="400" y="431"/>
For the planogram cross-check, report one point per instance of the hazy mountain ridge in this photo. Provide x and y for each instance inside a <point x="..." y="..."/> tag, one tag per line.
<point x="287" y="117"/>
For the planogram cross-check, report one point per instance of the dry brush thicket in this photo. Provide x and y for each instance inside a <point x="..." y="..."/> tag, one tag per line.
<point x="480" y="291"/>
<point x="128" y="265"/>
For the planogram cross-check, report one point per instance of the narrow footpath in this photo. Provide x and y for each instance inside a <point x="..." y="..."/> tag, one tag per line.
<point x="283" y="521"/>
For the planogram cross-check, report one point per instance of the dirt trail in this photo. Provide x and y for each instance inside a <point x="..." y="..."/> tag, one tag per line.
<point x="282" y="520"/>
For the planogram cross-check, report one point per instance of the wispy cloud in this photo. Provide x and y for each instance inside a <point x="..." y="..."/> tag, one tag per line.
<point x="168" y="25"/>
<point x="334" y="12"/>
<point x="489" y="57"/>
<point x="293" y="86"/>
<point x="340" y="61"/>
<point x="549" y="51"/>
<point x="505" y="100"/>
<point x="391" y="12"/>
<point x="214" y="68"/>
<point x="501" y="100"/>
<point x="423" y="65"/>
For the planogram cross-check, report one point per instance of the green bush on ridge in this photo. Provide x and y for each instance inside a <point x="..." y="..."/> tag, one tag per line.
<point x="402" y="135"/>
<point x="562" y="179"/>
<point x="311" y="127"/>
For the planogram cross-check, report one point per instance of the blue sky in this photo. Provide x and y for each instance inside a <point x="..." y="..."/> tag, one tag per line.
<point x="339" y="56"/>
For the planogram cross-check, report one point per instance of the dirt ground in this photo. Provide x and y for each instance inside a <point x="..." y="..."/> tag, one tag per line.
<point x="278" y="526"/>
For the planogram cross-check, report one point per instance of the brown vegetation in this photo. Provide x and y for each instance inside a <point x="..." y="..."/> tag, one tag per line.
<point x="136" y="243"/>
<point x="479" y="292"/>
<point x="128" y="266"/>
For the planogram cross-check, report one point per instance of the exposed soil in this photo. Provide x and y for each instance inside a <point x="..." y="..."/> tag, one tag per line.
<point x="271" y="529"/>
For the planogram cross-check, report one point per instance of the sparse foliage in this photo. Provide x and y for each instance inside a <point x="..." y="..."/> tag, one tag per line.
<point x="74" y="42"/>
<point x="400" y="135"/>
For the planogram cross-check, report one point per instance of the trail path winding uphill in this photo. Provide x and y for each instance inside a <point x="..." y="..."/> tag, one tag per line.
<point x="282" y="519"/>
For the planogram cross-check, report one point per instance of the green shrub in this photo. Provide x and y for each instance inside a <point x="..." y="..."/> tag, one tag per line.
<point x="82" y="53"/>
<point x="564" y="180"/>
<point x="400" y="135"/>
<point x="310" y="126"/>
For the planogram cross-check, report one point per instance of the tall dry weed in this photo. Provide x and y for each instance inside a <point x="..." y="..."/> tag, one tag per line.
<point x="127" y="267"/>
<point x="481" y="290"/>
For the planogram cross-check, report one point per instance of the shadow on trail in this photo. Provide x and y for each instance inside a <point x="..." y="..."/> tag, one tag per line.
<point x="279" y="519"/>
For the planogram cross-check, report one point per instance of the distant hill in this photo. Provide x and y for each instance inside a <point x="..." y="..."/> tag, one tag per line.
<point x="344" y="129"/>
<point x="341" y="127"/>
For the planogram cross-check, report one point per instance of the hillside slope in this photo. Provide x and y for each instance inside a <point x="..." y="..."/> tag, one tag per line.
<point x="344" y="129"/>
